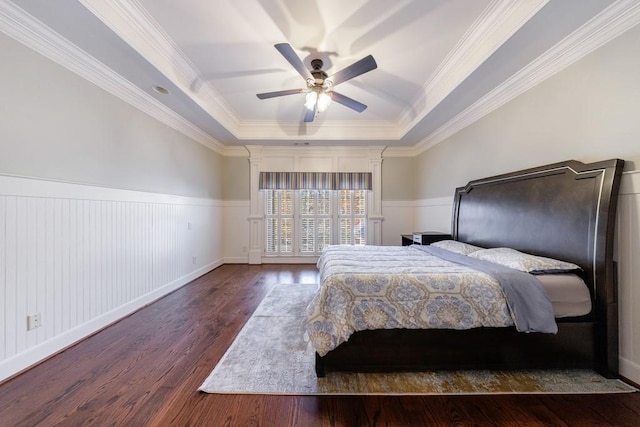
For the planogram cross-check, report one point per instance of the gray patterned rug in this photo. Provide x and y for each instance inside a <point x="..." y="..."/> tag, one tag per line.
<point x="270" y="355"/>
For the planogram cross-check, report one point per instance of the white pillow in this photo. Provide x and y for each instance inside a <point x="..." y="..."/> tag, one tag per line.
<point x="524" y="262"/>
<point x="456" y="247"/>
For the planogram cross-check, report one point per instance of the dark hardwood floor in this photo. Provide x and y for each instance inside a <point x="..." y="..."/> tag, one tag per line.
<point x="145" y="371"/>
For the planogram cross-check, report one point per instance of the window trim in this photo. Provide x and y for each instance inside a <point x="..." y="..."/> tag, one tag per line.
<point x="264" y="158"/>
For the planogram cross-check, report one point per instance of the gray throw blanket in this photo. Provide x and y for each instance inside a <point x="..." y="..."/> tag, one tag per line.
<point x="526" y="297"/>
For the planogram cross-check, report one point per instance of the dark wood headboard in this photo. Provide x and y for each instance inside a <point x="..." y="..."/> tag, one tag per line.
<point x="564" y="210"/>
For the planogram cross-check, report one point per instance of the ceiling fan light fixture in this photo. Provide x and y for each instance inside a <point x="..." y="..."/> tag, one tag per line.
<point x="310" y="100"/>
<point x="317" y="97"/>
<point x="324" y="99"/>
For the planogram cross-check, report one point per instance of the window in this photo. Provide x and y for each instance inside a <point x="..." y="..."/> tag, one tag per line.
<point x="303" y="222"/>
<point x="279" y="222"/>
<point x="353" y="217"/>
<point x="315" y="220"/>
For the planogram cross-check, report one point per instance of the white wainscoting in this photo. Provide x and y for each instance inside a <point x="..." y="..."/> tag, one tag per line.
<point x="405" y="217"/>
<point x="84" y="256"/>
<point x="433" y="214"/>
<point x="628" y="256"/>
<point x="236" y="231"/>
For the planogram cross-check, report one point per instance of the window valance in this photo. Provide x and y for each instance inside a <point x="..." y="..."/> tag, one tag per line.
<point x="315" y="181"/>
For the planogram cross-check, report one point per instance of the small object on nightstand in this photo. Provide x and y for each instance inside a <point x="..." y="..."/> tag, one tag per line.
<point x="428" y="237"/>
<point x="407" y="239"/>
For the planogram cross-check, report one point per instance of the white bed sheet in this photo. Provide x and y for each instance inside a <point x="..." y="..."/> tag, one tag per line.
<point x="568" y="293"/>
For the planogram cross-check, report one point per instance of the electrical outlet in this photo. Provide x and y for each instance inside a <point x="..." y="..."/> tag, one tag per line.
<point x="34" y="321"/>
<point x="194" y="260"/>
<point x="189" y="226"/>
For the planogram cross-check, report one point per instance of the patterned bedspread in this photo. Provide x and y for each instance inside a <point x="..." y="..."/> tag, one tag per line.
<point x="388" y="287"/>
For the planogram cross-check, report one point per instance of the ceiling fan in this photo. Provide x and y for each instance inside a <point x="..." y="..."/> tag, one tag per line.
<point x="319" y="84"/>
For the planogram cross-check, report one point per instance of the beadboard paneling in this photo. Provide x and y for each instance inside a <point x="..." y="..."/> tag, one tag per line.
<point x="84" y="256"/>
<point x="628" y="255"/>
<point x="236" y="235"/>
<point x="433" y="214"/>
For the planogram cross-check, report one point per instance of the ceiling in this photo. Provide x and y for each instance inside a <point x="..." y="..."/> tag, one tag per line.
<point x="442" y="64"/>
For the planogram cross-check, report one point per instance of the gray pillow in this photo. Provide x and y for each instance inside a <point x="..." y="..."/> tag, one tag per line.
<point x="456" y="246"/>
<point x="524" y="262"/>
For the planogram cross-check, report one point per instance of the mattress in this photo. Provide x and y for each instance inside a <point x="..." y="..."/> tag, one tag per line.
<point x="568" y="293"/>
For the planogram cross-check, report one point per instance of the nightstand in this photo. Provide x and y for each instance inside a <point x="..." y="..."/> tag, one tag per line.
<point x="424" y="238"/>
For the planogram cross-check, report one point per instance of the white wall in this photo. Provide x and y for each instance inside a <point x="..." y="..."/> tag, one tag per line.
<point x="85" y="256"/>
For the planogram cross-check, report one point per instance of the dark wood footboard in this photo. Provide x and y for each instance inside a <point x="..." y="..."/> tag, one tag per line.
<point x="574" y="346"/>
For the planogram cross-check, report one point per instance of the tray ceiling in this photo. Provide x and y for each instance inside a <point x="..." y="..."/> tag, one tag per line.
<point x="442" y="64"/>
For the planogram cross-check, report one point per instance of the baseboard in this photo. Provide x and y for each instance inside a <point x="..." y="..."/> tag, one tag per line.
<point x="236" y="260"/>
<point x="289" y="260"/>
<point x="629" y="370"/>
<point x="17" y="364"/>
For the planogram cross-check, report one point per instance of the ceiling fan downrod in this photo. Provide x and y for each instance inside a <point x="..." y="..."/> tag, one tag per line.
<point x="319" y="76"/>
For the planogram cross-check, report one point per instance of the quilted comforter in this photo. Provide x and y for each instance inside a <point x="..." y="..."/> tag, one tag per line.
<point x="388" y="287"/>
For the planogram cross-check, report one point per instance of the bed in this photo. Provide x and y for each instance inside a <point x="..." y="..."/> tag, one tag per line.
<point x="563" y="211"/>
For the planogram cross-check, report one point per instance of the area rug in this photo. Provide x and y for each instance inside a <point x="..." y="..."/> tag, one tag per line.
<point x="271" y="355"/>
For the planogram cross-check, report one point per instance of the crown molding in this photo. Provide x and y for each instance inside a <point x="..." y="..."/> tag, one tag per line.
<point x="334" y="130"/>
<point x="133" y="23"/>
<point x="236" y="151"/>
<point x="330" y="130"/>
<point x="342" y="151"/>
<point x="497" y="23"/>
<point x="400" y="151"/>
<point x="607" y="25"/>
<point x="19" y="25"/>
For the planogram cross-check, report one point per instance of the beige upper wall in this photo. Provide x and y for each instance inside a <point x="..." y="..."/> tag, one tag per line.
<point x="56" y="125"/>
<point x="397" y="178"/>
<point x="588" y="112"/>
<point x="236" y="178"/>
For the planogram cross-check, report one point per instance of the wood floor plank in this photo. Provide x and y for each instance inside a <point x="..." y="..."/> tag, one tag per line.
<point x="145" y="370"/>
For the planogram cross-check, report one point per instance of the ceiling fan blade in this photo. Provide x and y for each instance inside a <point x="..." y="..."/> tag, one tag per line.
<point x="365" y="65"/>
<point x="309" y="115"/>
<point x="290" y="55"/>
<point x="280" y="93"/>
<point x="348" y="102"/>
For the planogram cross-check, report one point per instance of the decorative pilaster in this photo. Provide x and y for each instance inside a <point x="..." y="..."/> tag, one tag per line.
<point x="375" y="201"/>
<point x="256" y="214"/>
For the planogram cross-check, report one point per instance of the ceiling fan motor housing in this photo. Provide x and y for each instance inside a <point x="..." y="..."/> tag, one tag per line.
<point x="319" y="76"/>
